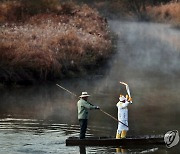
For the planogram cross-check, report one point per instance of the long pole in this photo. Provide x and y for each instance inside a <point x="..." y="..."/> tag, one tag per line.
<point x="66" y="90"/>
<point x="112" y="117"/>
<point x="100" y="109"/>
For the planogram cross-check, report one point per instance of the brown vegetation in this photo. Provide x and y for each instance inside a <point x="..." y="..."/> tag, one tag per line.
<point x="40" y="42"/>
<point x="169" y="13"/>
<point x="155" y="10"/>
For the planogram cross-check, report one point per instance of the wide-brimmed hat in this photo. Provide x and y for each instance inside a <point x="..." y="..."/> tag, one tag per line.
<point x="122" y="98"/>
<point x="84" y="94"/>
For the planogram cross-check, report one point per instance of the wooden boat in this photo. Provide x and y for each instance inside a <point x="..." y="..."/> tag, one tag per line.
<point x="109" y="141"/>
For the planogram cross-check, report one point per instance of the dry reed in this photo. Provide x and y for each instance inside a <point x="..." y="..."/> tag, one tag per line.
<point x="63" y="40"/>
<point x="169" y="13"/>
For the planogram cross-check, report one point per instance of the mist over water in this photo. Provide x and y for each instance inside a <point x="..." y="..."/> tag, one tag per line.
<point x="153" y="48"/>
<point x="147" y="58"/>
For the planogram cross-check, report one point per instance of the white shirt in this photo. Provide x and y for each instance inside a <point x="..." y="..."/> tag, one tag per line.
<point x="122" y="110"/>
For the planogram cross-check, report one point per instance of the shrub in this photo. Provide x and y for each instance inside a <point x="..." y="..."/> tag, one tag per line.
<point x="51" y="41"/>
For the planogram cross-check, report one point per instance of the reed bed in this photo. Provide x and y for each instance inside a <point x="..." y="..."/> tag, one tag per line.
<point x="169" y="13"/>
<point x="65" y="40"/>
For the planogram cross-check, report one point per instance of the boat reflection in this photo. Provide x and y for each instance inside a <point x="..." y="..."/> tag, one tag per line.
<point x="82" y="149"/>
<point x="123" y="150"/>
<point x="120" y="150"/>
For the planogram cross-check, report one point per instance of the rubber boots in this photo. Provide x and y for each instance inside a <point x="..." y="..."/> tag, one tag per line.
<point x="118" y="136"/>
<point x="123" y="134"/>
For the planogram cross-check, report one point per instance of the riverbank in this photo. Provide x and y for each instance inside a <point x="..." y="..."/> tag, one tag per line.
<point x="42" y="41"/>
<point x="150" y="11"/>
<point x="167" y="13"/>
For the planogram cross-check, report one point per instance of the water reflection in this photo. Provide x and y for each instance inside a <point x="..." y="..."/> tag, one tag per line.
<point x="120" y="150"/>
<point x="37" y="102"/>
<point x="82" y="149"/>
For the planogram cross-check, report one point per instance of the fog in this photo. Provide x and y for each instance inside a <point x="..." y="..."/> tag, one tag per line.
<point x="148" y="47"/>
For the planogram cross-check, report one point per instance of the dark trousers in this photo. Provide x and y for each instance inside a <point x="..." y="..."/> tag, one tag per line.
<point x="83" y="127"/>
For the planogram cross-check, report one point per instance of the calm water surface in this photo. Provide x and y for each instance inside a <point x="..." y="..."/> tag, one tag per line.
<point x="38" y="119"/>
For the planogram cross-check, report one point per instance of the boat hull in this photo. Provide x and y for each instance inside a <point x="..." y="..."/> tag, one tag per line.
<point x="108" y="141"/>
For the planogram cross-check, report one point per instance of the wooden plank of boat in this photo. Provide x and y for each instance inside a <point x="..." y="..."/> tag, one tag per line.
<point x="109" y="141"/>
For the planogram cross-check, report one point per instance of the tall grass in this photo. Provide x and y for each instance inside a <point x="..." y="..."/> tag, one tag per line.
<point x="59" y="41"/>
<point x="166" y="13"/>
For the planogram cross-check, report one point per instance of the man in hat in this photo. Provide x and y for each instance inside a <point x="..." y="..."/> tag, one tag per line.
<point x="123" y="116"/>
<point x="83" y="107"/>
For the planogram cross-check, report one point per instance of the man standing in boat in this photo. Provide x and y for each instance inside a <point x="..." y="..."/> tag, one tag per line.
<point x="123" y="116"/>
<point x="83" y="107"/>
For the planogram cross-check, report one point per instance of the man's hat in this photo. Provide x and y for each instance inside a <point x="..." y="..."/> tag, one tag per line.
<point x="84" y="94"/>
<point x="122" y="98"/>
